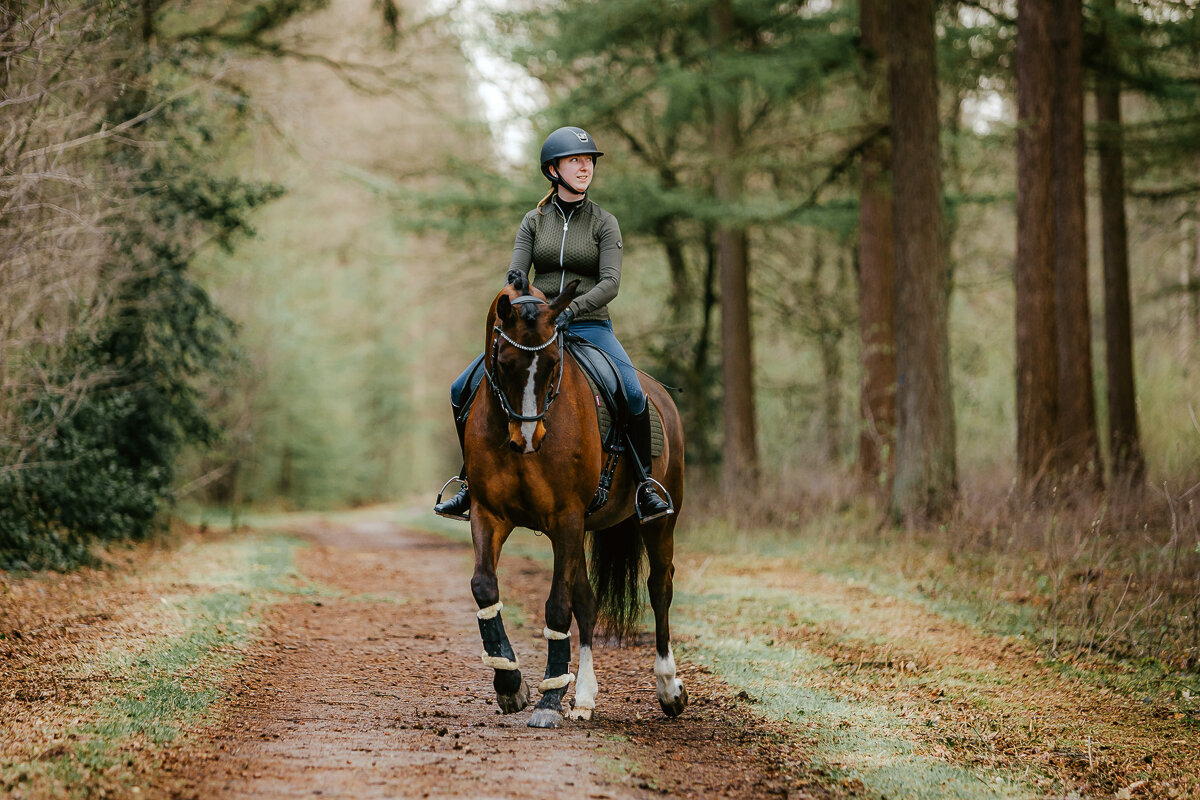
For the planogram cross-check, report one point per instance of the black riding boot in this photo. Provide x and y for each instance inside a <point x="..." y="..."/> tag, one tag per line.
<point x="649" y="505"/>
<point x="459" y="506"/>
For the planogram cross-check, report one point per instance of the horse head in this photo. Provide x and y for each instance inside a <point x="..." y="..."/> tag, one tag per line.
<point x="525" y="358"/>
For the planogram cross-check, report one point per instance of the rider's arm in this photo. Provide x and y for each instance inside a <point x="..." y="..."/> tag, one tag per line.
<point x="606" y="287"/>
<point x="522" y="256"/>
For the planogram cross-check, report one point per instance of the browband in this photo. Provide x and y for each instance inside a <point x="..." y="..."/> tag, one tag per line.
<point x="527" y="298"/>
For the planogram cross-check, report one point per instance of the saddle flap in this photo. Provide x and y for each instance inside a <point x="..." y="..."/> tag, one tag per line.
<point x="606" y="410"/>
<point x="600" y="371"/>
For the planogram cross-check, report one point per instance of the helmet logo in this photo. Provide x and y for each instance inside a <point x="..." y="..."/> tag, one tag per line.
<point x="583" y="137"/>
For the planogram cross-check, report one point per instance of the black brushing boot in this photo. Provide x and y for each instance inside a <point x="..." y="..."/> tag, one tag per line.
<point x="459" y="506"/>
<point x="647" y="502"/>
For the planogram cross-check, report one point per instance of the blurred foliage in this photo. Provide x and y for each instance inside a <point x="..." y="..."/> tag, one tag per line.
<point x="340" y="397"/>
<point x="95" y="456"/>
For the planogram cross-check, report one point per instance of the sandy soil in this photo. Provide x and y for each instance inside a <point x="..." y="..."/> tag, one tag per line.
<point x="379" y="692"/>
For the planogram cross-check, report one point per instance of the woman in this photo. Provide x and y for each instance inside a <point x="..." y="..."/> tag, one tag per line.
<point x="568" y="237"/>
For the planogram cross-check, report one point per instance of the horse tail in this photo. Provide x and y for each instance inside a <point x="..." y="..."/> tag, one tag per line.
<point x="616" y="576"/>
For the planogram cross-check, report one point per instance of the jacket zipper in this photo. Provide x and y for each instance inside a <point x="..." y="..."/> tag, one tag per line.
<point x="562" y="249"/>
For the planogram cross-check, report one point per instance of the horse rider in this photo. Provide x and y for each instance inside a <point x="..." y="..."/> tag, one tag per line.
<point x="564" y="238"/>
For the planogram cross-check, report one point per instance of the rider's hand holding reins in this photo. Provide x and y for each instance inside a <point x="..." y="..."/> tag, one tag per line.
<point x="564" y="320"/>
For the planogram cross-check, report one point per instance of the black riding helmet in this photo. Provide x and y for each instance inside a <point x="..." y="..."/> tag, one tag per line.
<point x="568" y="141"/>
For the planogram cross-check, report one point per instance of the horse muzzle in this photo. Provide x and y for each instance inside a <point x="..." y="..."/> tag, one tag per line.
<point x="526" y="437"/>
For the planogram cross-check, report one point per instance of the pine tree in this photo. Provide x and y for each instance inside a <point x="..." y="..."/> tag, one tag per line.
<point x="926" y="474"/>
<point x="876" y="263"/>
<point x="1078" y="446"/>
<point x="1123" y="440"/>
<point x="1037" y="354"/>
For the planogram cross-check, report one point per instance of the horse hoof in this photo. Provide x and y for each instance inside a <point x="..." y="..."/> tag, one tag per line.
<point x="512" y="703"/>
<point x="580" y="714"/>
<point x="545" y="718"/>
<point x="673" y="708"/>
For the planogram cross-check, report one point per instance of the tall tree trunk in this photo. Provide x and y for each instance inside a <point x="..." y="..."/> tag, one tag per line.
<point x="1037" y="353"/>
<point x="702" y="408"/>
<point x="681" y="289"/>
<point x="149" y="9"/>
<point x="876" y="268"/>
<point x="1192" y="283"/>
<point x="828" y="333"/>
<point x="925" y="482"/>
<point x="740" y="470"/>
<point x="1125" y="447"/>
<point x="1079" y="446"/>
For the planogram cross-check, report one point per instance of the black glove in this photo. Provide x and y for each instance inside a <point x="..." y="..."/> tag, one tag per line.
<point x="514" y="276"/>
<point x="564" y="319"/>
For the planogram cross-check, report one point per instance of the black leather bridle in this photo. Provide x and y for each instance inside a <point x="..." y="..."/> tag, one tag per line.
<point x="551" y="390"/>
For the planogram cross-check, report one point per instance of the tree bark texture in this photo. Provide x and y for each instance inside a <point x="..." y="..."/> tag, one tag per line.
<point x="1125" y="449"/>
<point x="925" y="482"/>
<point x="828" y="331"/>
<point x="876" y="268"/>
<point x="701" y="408"/>
<point x="1037" y="352"/>
<point x="1079" y="445"/>
<point x="740" y="466"/>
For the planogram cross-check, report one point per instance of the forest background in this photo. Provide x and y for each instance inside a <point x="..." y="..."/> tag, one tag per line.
<point x="219" y="290"/>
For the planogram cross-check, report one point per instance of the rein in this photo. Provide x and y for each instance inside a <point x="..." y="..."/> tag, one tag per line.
<point x="551" y="391"/>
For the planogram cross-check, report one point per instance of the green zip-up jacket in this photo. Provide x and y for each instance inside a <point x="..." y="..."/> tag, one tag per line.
<point x="584" y="244"/>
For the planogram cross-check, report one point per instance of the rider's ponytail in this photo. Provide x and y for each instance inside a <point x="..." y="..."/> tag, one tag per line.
<point x="546" y="199"/>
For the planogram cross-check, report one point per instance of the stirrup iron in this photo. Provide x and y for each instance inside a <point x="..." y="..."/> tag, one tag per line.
<point x="637" y="506"/>
<point x="465" y="517"/>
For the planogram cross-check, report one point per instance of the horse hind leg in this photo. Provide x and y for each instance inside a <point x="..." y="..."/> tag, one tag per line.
<point x="659" y="537"/>
<point x="584" y="609"/>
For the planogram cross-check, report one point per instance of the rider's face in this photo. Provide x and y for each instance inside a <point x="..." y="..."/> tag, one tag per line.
<point x="577" y="171"/>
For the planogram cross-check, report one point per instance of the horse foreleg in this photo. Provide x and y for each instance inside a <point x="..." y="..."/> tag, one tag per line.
<point x="660" y="547"/>
<point x="512" y="694"/>
<point x="584" y="609"/>
<point x="568" y="552"/>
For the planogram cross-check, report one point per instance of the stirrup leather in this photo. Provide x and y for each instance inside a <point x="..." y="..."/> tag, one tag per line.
<point x="446" y="509"/>
<point x="637" y="501"/>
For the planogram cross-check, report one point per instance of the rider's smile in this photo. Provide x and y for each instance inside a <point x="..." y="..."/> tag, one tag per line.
<point x="576" y="171"/>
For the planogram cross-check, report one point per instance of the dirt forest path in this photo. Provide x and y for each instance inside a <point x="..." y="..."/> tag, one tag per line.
<point x="374" y="689"/>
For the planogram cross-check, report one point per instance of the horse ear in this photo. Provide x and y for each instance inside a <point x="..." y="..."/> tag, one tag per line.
<point x="503" y="308"/>
<point x="565" y="297"/>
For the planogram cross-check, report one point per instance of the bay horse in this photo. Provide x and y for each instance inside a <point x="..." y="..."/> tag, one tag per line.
<point x="533" y="458"/>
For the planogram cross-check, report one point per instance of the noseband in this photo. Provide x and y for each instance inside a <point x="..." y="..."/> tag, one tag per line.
<point x="551" y="391"/>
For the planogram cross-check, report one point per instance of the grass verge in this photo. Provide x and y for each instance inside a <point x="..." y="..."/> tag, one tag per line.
<point x="153" y="666"/>
<point x="914" y="670"/>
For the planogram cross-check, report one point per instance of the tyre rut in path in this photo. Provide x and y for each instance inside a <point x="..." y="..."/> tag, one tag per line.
<point x="379" y="692"/>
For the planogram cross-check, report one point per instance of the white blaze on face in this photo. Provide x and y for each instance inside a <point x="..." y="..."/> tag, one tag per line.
<point x="529" y="407"/>
<point x="586" y="688"/>
<point x="669" y="687"/>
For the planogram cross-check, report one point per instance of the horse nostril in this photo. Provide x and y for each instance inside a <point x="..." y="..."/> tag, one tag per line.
<point x="516" y="448"/>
